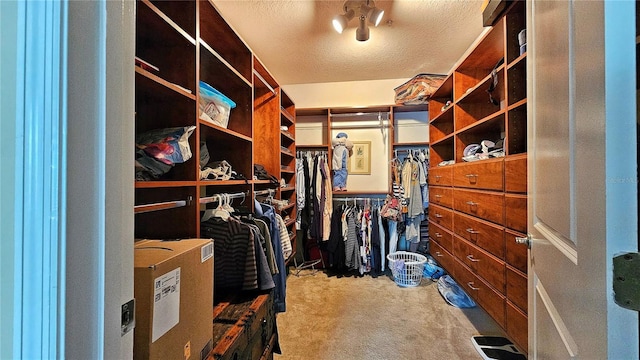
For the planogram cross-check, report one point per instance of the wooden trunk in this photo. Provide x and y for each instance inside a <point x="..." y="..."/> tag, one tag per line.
<point x="244" y="328"/>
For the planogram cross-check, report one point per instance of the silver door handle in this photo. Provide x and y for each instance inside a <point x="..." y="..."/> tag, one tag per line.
<point x="470" y="257"/>
<point x="470" y="284"/>
<point x="524" y="240"/>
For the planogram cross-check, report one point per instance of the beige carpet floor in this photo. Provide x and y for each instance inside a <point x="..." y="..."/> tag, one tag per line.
<point x="330" y="318"/>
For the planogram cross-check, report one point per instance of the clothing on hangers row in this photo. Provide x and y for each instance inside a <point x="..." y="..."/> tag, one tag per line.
<point x="249" y="249"/>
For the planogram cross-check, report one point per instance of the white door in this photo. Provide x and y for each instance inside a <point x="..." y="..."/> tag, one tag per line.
<point x="582" y="176"/>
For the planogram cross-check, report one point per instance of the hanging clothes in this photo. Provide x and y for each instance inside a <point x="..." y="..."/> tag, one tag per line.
<point x="376" y="259"/>
<point x="336" y="244"/>
<point x="353" y="261"/>
<point x="300" y="191"/>
<point x="315" y="227"/>
<point x="285" y="239"/>
<point x="240" y="261"/>
<point x="327" y="208"/>
<point x="268" y="214"/>
<point x="383" y="242"/>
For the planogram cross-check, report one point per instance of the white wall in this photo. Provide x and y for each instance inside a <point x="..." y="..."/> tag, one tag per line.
<point x="100" y="172"/>
<point x="311" y="130"/>
<point x="378" y="180"/>
<point x="411" y="127"/>
<point x="344" y="94"/>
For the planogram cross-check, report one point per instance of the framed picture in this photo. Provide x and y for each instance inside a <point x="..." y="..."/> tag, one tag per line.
<point x="360" y="161"/>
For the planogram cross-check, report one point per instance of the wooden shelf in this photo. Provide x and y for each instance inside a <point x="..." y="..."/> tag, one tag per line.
<point x="288" y="136"/>
<point x="224" y="130"/>
<point x="300" y="147"/>
<point x="162" y="184"/>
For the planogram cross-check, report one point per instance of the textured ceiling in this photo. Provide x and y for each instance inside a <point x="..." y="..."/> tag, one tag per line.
<point x="294" y="39"/>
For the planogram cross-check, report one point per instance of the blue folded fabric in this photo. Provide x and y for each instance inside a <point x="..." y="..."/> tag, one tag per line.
<point x="432" y="270"/>
<point x="453" y="293"/>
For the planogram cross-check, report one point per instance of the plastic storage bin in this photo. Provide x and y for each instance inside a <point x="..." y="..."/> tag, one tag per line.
<point x="406" y="267"/>
<point x="215" y="107"/>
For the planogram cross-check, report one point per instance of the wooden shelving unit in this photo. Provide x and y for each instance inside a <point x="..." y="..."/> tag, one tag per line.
<point x="189" y="42"/>
<point x="478" y="208"/>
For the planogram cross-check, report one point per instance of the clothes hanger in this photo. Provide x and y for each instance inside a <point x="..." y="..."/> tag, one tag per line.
<point x="209" y="213"/>
<point x="220" y="211"/>
<point x="227" y="203"/>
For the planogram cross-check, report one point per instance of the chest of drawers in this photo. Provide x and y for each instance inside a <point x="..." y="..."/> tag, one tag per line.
<point x="475" y="215"/>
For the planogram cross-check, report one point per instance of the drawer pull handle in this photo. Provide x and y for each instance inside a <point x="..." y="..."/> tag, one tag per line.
<point x="438" y="254"/>
<point x="473" y="178"/>
<point x="438" y="177"/>
<point x="470" y="284"/>
<point x="471" y="203"/>
<point x="470" y="257"/>
<point x="439" y="216"/>
<point x="471" y="231"/>
<point x="438" y="196"/>
<point x="438" y="235"/>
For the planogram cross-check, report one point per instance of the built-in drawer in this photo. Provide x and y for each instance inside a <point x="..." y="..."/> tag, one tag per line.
<point x="515" y="174"/>
<point x="490" y="300"/>
<point x="517" y="327"/>
<point x="482" y="263"/>
<point x="441" y="216"/>
<point x="441" y="196"/>
<point x="442" y="236"/>
<point x="483" y="204"/>
<point x="516" y="254"/>
<point x="442" y="257"/>
<point x="486" y="235"/>
<point x="515" y="208"/>
<point x="441" y="176"/>
<point x="485" y="174"/>
<point x="517" y="288"/>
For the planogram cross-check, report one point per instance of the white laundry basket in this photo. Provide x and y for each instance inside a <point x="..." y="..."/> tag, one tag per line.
<point x="406" y="267"/>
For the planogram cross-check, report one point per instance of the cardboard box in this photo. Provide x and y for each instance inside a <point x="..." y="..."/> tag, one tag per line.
<point x="173" y="283"/>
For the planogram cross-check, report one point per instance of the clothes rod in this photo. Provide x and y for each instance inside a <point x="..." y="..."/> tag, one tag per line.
<point x="361" y="113"/>
<point x="214" y="198"/>
<point x="264" y="82"/>
<point x="140" y="209"/>
<point x="400" y="151"/>
<point x="265" y="192"/>
<point x="364" y="126"/>
<point x="347" y="199"/>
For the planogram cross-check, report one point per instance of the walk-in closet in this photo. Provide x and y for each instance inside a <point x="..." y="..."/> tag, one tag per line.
<point x="319" y="180"/>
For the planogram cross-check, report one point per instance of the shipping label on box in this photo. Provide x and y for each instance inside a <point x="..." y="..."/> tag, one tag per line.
<point x="166" y="303"/>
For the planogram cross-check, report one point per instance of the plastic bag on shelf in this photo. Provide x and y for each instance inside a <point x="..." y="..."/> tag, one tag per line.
<point x="168" y="145"/>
